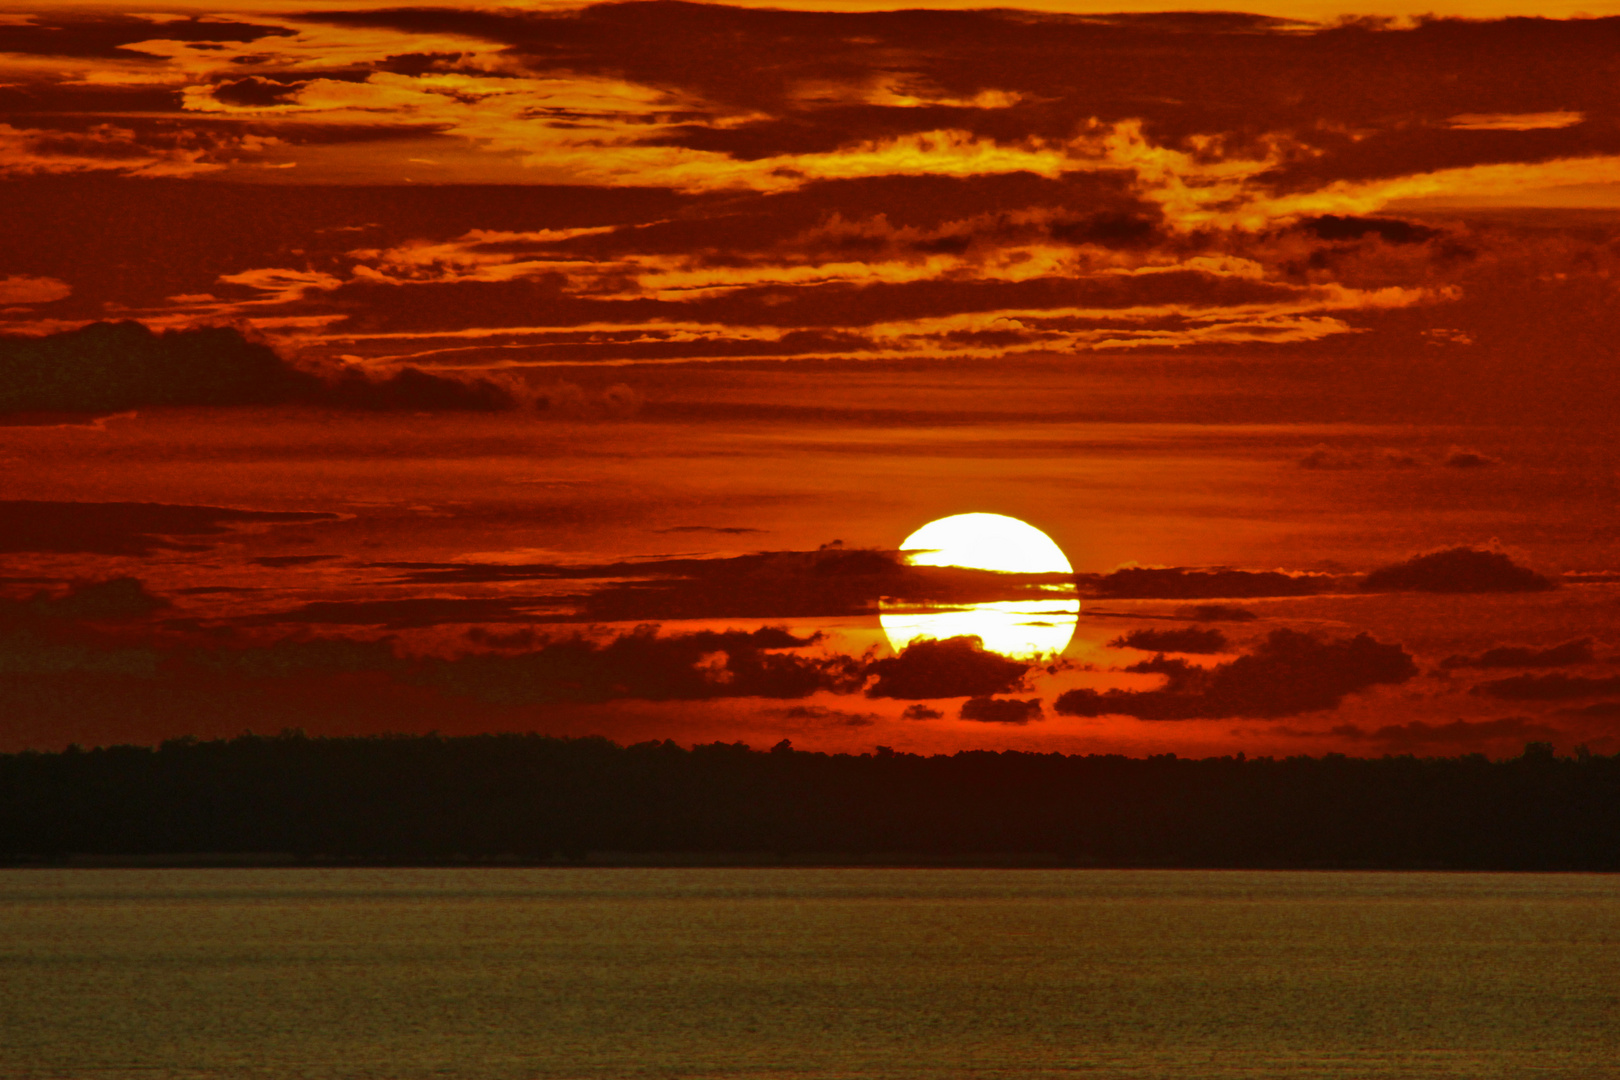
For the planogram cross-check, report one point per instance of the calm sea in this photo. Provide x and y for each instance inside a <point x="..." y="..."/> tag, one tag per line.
<point x="801" y="973"/>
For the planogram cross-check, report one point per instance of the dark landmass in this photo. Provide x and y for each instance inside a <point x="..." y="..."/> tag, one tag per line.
<point x="534" y="799"/>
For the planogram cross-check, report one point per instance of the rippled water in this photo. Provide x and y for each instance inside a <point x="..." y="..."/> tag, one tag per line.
<point x="806" y="973"/>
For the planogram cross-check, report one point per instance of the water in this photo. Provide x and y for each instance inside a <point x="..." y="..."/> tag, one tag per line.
<point x="806" y="973"/>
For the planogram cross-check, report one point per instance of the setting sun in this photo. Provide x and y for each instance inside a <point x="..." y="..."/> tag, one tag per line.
<point x="986" y="542"/>
<point x="995" y="542"/>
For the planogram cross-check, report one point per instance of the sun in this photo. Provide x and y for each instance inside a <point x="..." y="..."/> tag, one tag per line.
<point x="1023" y="627"/>
<point x="986" y="542"/>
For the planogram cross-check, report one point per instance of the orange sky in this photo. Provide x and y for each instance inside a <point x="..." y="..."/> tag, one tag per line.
<point x="545" y="312"/>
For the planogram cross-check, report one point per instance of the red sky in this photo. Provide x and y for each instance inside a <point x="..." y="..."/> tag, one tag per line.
<point x="557" y="320"/>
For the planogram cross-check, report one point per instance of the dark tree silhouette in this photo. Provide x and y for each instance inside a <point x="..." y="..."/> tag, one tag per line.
<point x="423" y="799"/>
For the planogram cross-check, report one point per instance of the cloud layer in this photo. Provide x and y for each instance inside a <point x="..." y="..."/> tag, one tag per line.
<point x="107" y="367"/>
<point x="1288" y="673"/>
<point x="128" y="528"/>
<point x="956" y="186"/>
<point x="1456" y="570"/>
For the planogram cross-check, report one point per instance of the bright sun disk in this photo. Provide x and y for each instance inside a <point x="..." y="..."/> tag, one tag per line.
<point x="1022" y="628"/>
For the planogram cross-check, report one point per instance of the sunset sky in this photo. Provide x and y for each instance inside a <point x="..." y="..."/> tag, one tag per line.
<point x="370" y="368"/>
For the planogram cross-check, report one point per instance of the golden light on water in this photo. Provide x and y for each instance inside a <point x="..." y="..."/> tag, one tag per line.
<point x="1038" y="626"/>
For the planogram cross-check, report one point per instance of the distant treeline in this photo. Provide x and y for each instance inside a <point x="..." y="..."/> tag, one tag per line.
<point x="426" y="799"/>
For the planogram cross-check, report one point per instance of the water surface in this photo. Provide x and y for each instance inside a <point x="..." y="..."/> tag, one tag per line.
<point x="805" y="973"/>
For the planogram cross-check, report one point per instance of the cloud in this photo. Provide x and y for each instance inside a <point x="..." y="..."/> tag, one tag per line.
<point x="1177" y="672"/>
<point x="22" y="289"/>
<point x="1502" y="184"/>
<point x="1051" y="295"/>
<point x="114" y="598"/>
<point x="1508" y="656"/>
<point x="128" y="528"/>
<point x="108" y="367"/>
<point x="1461" y="734"/>
<point x="1215" y="613"/>
<point x="645" y="665"/>
<point x="840" y="717"/>
<point x="1323" y="456"/>
<point x="1288" y="673"/>
<point x="1515" y="121"/>
<point x="414" y="390"/>
<point x="781" y="87"/>
<point x="113" y="148"/>
<point x="52" y="660"/>
<point x="59" y="636"/>
<point x="830" y="581"/>
<point x="83" y="229"/>
<point x="721" y="530"/>
<point x="878" y="266"/>
<point x="282" y="562"/>
<point x="955" y="667"/>
<point x="90" y="629"/>
<point x="1188" y="640"/>
<point x="600" y="93"/>
<point x="1554" y="687"/>
<point x="289" y="659"/>
<point x="1142" y="582"/>
<point x="783" y="584"/>
<point x="91" y="665"/>
<point x="30" y="654"/>
<point x="1456" y="570"/>
<point x="410" y="612"/>
<point x="920" y="712"/>
<point x="1597" y="708"/>
<point x="1461" y="458"/>
<point x="257" y="91"/>
<point x="105" y="35"/>
<point x="526" y="638"/>
<point x="990" y="710"/>
<point x="1390" y="230"/>
<point x="851" y="184"/>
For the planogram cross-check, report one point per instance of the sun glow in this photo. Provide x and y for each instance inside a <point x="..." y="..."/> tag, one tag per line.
<point x="1025" y="627"/>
